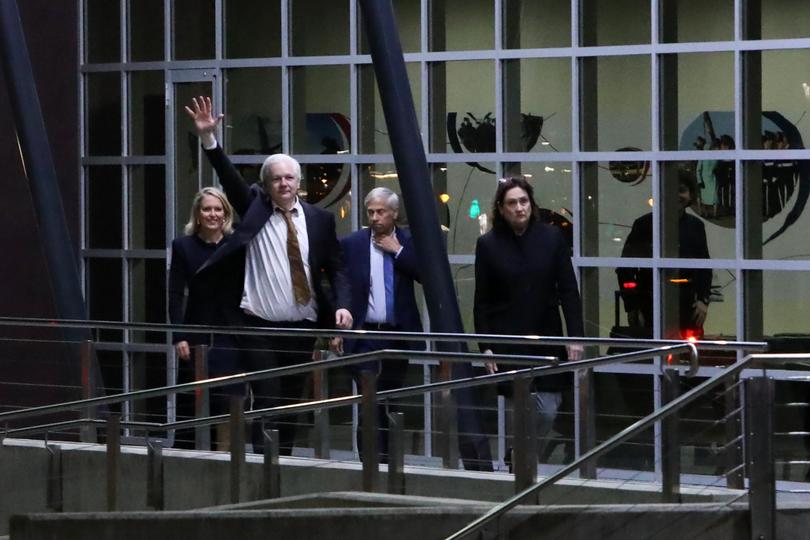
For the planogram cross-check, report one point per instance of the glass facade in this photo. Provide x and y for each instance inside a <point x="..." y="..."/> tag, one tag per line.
<point x="607" y="108"/>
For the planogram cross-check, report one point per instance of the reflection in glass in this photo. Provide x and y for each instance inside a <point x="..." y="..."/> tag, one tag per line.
<point x="147" y="200"/>
<point x="537" y="24"/>
<point x="463" y="121"/>
<point x="146" y="113"/>
<point x="103" y="114"/>
<point x="457" y="25"/>
<point x="408" y="17"/>
<point x="785" y="96"/>
<point x="307" y="21"/>
<point x="194" y="29"/>
<point x="253" y="106"/>
<point x="103" y="31"/>
<point x="103" y="202"/>
<point x="617" y="117"/>
<point x="614" y="195"/>
<point x="464" y="280"/>
<point x="145" y="30"/>
<point x="686" y="21"/>
<point x="618" y="22"/>
<point x="373" y="134"/>
<point x="320" y="110"/>
<point x="329" y="186"/>
<point x="252" y="29"/>
<point x="538" y="105"/>
<point x="465" y="195"/>
<point x="701" y="108"/>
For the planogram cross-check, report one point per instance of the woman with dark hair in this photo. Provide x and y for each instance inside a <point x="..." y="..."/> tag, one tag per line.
<point x="523" y="274"/>
<point x="210" y="222"/>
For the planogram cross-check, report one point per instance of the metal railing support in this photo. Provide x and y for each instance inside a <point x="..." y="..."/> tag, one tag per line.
<point x="113" y="458"/>
<point x="671" y="456"/>
<point x="88" y="432"/>
<point x="370" y="453"/>
<point x="271" y="469"/>
<point x="202" y="398"/>
<point x="524" y="419"/>
<point x="54" y="483"/>
<point x="396" y="453"/>
<point x="237" y="446"/>
<point x="154" y="474"/>
<point x="320" y="428"/>
<point x="587" y="419"/>
<point x="735" y="478"/>
<point x="759" y="457"/>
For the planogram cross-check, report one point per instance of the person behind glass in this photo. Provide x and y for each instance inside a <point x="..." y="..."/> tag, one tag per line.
<point x="210" y="222"/>
<point x="382" y="266"/>
<point x="694" y="284"/>
<point x="280" y="269"/>
<point x="523" y="274"/>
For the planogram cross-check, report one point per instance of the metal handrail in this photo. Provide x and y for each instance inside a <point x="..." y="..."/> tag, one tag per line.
<point x="627" y="433"/>
<point x="554" y="368"/>
<point x="377" y="334"/>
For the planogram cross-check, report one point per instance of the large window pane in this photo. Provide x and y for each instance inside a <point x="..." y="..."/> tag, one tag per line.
<point x="146" y="113"/>
<point x="320" y="111"/>
<point x="373" y="128"/>
<point x="329" y="186"/>
<point x="463" y="108"/>
<point x="692" y="117"/>
<point x="146" y="30"/>
<point x="785" y="96"/>
<point x="193" y="29"/>
<point x="408" y="17"/>
<point x="147" y="301"/>
<point x="103" y="114"/>
<point x="538" y="105"/>
<point x="105" y="294"/>
<point x="308" y="33"/>
<point x="147" y="212"/>
<point x="618" y="22"/>
<point x="462" y="25"/>
<point x="776" y="222"/>
<point x="785" y="19"/>
<point x="465" y="196"/>
<point x="103" y="31"/>
<point x="252" y="29"/>
<point x="781" y="312"/>
<point x="253" y="106"/>
<point x="537" y="24"/>
<point x="615" y="195"/>
<point x="616" y="103"/>
<point x="683" y="287"/>
<point x="104" y="212"/>
<point x="697" y="20"/>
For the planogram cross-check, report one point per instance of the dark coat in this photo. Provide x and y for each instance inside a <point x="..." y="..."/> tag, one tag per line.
<point x="357" y="262"/>
<point x="520" y="284"/>
<point x="226" y="268"/>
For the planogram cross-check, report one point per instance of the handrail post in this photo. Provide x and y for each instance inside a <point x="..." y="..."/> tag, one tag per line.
<point x="396" y="453"/>
<point x="524" y="426"/>
<point x="735" y="477"/>
<point x="237" y="446"/>
<point x="154" y="474"/>
<point x="202" y="398"/>
<point x="587" y="419"/>
<point x="113" y="457"/>
<point x="55" y="485"/>
<point x="320" y="430"/>
<point x="87" y="433"/>
<point x="759" y="455"/>
<point x="271" y="467"/>
<point x="369" y="455"/>
<point x="671" y="456"/>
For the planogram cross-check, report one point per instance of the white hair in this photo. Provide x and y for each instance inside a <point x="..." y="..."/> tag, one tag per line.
<point x="390" y="198"/>
<point x="264" y="172"/>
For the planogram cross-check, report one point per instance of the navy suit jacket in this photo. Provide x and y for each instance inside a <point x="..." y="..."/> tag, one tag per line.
<point x="357" y="261"/>
<point x="225" y="270"/>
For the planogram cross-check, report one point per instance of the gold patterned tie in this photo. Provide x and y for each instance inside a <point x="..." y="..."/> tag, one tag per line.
<point x="300" y="285"/>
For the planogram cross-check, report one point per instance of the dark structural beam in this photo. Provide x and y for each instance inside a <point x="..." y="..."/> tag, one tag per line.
<point x="419" y="200"/>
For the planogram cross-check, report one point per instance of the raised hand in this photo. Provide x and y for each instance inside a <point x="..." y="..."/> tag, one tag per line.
<point x="201" y="112"/>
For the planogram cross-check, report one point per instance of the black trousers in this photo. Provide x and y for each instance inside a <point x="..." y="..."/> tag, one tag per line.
<point x="268" y="352"/>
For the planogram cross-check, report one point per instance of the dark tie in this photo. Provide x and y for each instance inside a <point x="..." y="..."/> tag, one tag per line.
<point x="388" y="278"/>
<point x="300" y="285"/>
